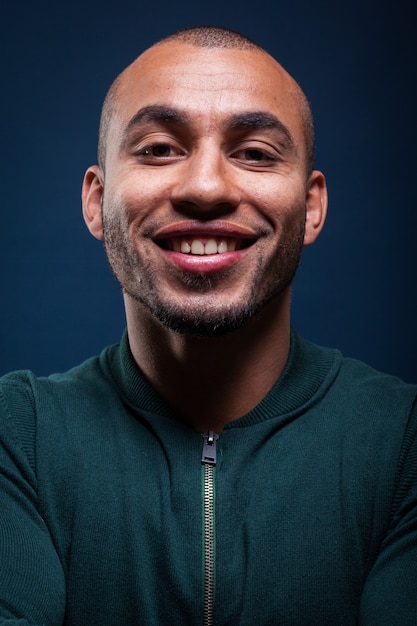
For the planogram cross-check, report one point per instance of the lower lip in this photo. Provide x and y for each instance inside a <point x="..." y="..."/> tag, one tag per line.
<point x="204" y="264"/>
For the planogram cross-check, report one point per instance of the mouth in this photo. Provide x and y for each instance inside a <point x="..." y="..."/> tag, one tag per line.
<point x="194" y="247"/>
<point x="204" y="246"/>
<point x="194" y="239"/>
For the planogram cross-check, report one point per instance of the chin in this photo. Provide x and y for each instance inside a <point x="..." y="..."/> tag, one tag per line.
<point x="204" y="319"/>
<point x="199" y="327"/>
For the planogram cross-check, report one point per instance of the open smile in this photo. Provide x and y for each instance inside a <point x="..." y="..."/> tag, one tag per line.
<point x="196" y="239"/>
<point x="201" y="248"/>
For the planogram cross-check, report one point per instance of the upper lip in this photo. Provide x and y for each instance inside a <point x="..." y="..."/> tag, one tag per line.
<point x="195" y="228"/>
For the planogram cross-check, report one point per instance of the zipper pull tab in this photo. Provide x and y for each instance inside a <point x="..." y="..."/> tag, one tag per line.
<point x="209" y="456"/>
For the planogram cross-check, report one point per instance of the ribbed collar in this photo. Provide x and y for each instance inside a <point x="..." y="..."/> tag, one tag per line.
<point x="308" y="373"/>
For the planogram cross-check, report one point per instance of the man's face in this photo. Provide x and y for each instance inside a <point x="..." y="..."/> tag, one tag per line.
<point x="205" y="185"/>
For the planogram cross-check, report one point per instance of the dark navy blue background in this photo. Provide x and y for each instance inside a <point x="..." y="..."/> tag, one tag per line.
<point x="356" y="288"/>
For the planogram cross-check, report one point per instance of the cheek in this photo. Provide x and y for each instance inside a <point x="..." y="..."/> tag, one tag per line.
<point x="124" y="203"/>
<point x="136" y="194"/>
<point x="283" y="208"/>
<point x="285" y="184"/>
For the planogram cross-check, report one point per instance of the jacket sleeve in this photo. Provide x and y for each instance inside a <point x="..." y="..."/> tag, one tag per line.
<point x="32" y="582"/>
<point x="390" y="592"/>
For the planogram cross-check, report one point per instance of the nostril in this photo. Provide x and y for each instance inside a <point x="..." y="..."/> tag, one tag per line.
<point x="200" y="191"/>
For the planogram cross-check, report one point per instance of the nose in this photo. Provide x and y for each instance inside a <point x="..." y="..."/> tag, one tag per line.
<point x="206" y="183"/>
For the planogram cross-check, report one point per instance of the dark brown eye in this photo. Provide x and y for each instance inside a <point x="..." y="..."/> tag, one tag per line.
<point x="256" y="155"/>
<point x="158" y="150"/>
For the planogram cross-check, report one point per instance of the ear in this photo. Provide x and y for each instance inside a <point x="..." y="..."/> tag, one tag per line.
<point x="316" y="206"/>
<point x="92" y="194"/>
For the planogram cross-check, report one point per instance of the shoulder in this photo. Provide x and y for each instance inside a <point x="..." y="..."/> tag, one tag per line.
<point x="360" y="385"/>
<point x="23" y="389"/>
<point x="353" y="381"/>
<point x="27" y="399"/>
<point x="356" y="402"/>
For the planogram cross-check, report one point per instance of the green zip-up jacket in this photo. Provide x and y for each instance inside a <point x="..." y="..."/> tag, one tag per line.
<point x="109" y="517"/>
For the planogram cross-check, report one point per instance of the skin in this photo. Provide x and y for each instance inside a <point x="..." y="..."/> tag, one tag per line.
<point x="200" y="176"/>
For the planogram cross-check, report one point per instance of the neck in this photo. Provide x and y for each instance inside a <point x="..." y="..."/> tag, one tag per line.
<point x="211" y="381"/>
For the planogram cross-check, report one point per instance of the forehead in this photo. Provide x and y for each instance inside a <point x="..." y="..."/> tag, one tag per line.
<point x="208" y="83"/>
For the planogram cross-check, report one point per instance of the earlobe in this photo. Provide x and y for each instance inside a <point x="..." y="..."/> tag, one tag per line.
<point x="92" y="194"/>
<point x="316" y="206"/>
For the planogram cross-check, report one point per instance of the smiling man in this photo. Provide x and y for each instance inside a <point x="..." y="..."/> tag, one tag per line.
<point x="178" y="192"/>
<point x="214" y="467"/>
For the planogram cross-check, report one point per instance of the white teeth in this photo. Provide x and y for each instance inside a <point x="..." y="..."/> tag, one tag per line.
<point x="211" y="247"/>
<point x="184" y="247"/>
<point x="198" y="247"/>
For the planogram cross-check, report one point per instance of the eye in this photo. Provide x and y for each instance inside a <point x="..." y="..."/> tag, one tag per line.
<point x="253" y="155"/>
<point x="158" y="153"/>
<point x="157" y="150"/>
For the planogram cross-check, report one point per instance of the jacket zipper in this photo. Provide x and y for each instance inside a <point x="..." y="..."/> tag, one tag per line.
<point x="208" y="460"/>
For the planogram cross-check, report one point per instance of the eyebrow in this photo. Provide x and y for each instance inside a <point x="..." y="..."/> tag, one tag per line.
<point x="251" y="120"/>
<point x="156" y="113"/>
<point x="260" y="120"/>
